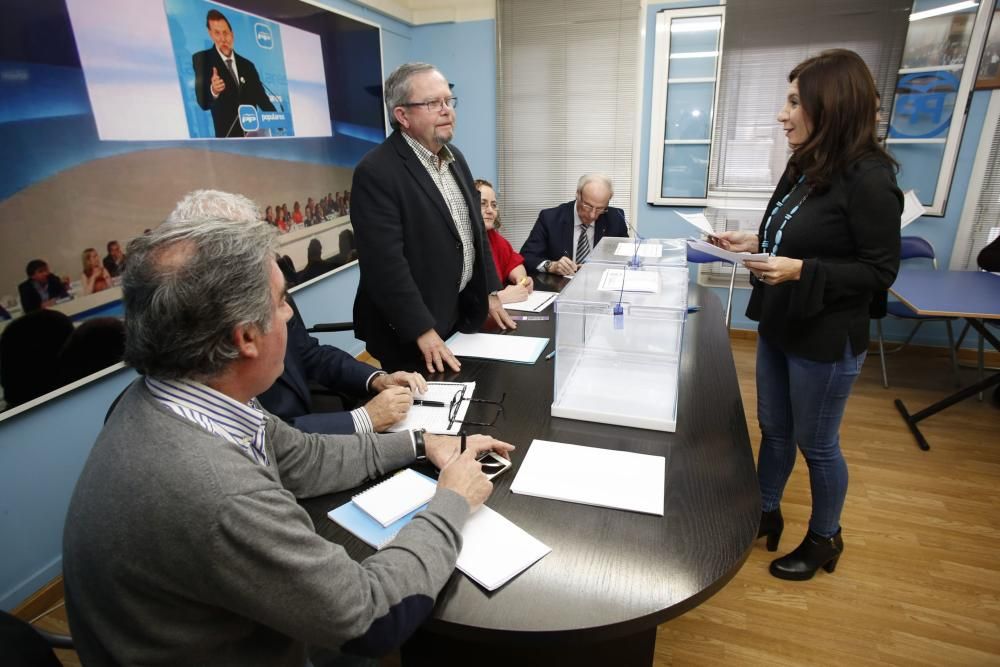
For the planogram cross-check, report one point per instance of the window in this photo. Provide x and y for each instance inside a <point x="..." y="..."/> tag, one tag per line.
<point x="933" y="93"/>
<point x="686" y="81"/>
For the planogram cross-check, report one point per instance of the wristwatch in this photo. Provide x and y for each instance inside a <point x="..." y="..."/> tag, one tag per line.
<point x="546" y="264"/>
<point x="418" y="443"/>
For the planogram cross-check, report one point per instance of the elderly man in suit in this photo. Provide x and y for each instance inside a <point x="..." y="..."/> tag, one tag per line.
<point x="426" y="268"/>
<point x="563" y="236"/>
<point x="223" y="79"/>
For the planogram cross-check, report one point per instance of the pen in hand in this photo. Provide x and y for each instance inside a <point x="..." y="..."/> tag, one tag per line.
<point x="461" y="446"/>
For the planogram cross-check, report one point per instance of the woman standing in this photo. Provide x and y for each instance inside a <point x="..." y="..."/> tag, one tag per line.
<point x="832" y="232"/>
<point x="95" y="277"/>
<point x="508" y="262"/>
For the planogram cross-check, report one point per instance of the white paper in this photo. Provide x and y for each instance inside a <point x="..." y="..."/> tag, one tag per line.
<point x="592" y="476"/>
<point x="494" y="549"/>
<point x="698" y="220"/>
<point x="912" y="208"/>
<point x="726" y="255"/>
<point x="396" y="497"/>
<point x="635" y="281"/>
<point x="536" y="302"/>
<point x="501" y="347"/>
<point x="626" y="249"/>
<point x="435" y="419"/>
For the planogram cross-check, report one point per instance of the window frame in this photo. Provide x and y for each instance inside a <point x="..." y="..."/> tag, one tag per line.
<point x="661" y="85"/>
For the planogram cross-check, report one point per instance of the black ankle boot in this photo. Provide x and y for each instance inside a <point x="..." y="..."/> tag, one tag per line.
<point x="815" y="552"/>
<point x="771" y="524"/>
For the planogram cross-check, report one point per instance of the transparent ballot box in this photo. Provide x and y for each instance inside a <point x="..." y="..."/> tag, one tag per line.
<point x="618" y="345"/>
<point x="645" y="252"/>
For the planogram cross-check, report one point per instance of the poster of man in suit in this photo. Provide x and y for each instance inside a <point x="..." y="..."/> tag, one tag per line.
<point x="239" y="79"/>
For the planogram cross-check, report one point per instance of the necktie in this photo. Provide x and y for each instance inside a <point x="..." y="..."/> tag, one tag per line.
<point x="232" y="71"/>
<point x="582" y="245"/>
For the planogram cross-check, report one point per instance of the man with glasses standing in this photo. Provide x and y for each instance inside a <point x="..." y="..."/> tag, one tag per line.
<point x="426" y="268"/>
<point x="563" y="236"/>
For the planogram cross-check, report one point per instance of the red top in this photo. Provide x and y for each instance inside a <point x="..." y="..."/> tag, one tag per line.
<point x="504" y="256"/>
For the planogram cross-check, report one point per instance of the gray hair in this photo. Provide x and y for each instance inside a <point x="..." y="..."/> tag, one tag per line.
<point x="594" y="177"/>
<point x="214" y="205"/>
<point x="188" y="285"/>
<point x="397" y="87"/>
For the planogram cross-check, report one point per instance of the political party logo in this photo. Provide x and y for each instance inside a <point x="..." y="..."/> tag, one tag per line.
<point x="249" y="120"/>
<point x="262" y="32"/>
<point x="925" y="104"/>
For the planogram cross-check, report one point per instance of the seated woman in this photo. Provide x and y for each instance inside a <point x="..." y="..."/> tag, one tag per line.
<point x="510" y="265"/>
<point x="95" y="277"/>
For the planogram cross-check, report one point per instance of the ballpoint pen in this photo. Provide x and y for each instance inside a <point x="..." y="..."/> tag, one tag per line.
<point x="462" y="445"/>
<point x="430" y="404"/>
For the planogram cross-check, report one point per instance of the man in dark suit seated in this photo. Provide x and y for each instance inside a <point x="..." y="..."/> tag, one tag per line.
<point x="223" y="79"/>
<point x="563" y="236"/>
<point x="306" y="360"/>
<point x="41" y="289"/>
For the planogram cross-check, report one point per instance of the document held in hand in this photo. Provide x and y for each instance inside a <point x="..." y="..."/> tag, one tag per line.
<point x="726" y="255"/>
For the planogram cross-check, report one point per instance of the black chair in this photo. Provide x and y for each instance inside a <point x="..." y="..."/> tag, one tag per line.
<point x="29" y="352"/>
<point x="93" y="346"/>
<point x="23" y="645"/>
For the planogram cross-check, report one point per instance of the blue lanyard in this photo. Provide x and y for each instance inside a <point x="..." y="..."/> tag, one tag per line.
<point x="788" y="216"/>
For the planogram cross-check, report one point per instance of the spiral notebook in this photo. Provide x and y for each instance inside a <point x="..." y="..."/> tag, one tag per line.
<point x="353" y="519"/>
<point x="396" y="497"/>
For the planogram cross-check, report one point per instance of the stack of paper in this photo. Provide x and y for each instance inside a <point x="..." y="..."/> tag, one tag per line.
<point x="519" y="349"/>
<point x="536" y="302"/>
<point x="726" y="255"/>
<point x="494" y="550"/>
<point x="396" y="497"/>
<point x="592" y="476"/>
<point x="625" y="249"/>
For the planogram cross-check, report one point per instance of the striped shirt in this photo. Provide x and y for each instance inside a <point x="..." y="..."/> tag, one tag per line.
<point x="241" y="424"/>
<point x="437" y="168"/>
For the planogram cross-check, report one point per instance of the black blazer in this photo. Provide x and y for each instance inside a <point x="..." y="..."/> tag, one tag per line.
<point x="226" y="106"/>
<point x="306" y="360"/>
<point x="410" y="253"/>
<point x="552" y="235"/>
<point x="30" y="299"/>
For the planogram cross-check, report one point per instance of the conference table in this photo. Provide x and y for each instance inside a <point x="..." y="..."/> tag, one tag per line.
<point x="973" y="295"/>
<point x="612" y="576"/>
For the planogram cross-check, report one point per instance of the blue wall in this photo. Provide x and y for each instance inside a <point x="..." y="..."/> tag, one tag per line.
<point x="660" y="221"/>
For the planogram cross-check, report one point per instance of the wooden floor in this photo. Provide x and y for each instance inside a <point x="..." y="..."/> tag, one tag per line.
<point x="919" y="581"/>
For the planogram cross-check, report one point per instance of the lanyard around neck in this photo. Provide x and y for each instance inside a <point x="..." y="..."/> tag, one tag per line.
<point x="788" y="216"/>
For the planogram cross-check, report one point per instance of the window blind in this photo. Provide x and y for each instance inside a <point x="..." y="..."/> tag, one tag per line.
<point x="763" y="41"/>
<point x="566" y="95"/>
<point x="981" y="215"/>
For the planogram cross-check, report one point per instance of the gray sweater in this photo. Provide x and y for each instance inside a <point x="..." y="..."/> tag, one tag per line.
<point x="179" y="549"/>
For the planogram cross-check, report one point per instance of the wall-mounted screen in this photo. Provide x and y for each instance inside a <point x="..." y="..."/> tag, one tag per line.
<point x="114" y="109"/>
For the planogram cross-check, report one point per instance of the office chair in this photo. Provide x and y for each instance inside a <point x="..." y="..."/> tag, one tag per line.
<point x="29" y="352"/>
<point x="912" y="248"/>
<point x="26" y="646"/>
<point x="699" y="257"/>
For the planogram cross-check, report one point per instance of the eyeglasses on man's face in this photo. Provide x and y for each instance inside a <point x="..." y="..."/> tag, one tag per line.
<point x="590" y="208"/>
<point x="434" y="106"/>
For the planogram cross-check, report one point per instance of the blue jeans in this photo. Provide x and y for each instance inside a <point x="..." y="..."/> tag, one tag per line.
<point x="802" y="402"/>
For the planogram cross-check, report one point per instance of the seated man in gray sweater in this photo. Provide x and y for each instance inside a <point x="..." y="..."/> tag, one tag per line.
<point x="184" y="543"/>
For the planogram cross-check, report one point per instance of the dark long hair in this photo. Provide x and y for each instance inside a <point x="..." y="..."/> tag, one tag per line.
<point x="838" y="94"/>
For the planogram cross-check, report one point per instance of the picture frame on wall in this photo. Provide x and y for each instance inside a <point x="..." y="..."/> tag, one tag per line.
<point x="989" y="65"/>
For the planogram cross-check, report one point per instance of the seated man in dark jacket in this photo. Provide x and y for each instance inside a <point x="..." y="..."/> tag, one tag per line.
<point x="306" y="361"/>
<point x="41" y="289"/>
<point x="563" y="236"/>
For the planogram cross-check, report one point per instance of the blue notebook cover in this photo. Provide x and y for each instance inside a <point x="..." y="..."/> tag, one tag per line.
<point x="355" y="520"/>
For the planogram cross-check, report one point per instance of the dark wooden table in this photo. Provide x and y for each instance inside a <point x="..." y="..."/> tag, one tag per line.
<point x="612" y="575"/>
